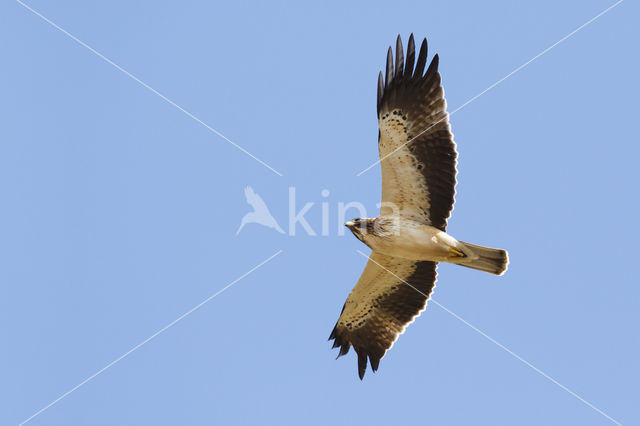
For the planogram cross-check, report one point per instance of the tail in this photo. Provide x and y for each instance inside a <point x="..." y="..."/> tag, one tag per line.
<point x="490" y="260"/>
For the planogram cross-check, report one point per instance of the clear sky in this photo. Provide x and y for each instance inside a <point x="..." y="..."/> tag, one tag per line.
<point x="119" y="214"/>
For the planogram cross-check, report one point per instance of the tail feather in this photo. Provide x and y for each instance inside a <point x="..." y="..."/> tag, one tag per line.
<point x="494" y="261"/>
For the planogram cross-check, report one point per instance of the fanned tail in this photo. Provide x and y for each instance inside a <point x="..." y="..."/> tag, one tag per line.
<point x="494" y="261"/>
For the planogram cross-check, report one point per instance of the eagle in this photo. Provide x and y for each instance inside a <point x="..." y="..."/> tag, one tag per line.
<point x="408" y="238"/>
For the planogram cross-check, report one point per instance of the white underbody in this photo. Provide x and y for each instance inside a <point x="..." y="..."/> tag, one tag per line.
<point x="414" y="240"/>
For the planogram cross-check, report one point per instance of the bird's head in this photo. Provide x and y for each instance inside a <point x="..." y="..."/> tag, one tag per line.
<point x="361" y="227"/>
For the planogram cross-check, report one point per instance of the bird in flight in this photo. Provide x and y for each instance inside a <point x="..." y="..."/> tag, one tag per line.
<point x="408" y="238"/>
<point x="260" y="213"/>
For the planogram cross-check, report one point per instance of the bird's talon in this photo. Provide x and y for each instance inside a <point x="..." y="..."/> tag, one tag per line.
<point x="456" y="253"/>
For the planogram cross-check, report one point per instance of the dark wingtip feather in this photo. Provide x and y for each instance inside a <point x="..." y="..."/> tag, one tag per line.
<point x="344" y="349"/>
<point x="389" y="74"/>
<point x="362" y="363"/>
<point x="411" y="56"/>
<point x="333" y="333"/>
<point x="375" y="362"/>
<point x="433" y="66"/>
<point x="399" y="57"/>
<point x="422" y="59"/>
<point x="380" y="89"/>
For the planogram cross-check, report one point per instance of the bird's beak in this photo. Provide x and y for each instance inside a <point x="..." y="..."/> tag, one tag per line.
<point x="350" y="224"/>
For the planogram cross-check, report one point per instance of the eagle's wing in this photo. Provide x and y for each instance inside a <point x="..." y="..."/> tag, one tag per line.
<point x="390" y="293"/>
<point x="417" y="151"/>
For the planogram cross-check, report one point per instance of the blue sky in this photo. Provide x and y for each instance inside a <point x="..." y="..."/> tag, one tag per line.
<point x="119" y="214"/>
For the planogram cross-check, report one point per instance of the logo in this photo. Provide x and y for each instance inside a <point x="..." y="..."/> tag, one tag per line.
<point x="260" y="214"/>
<point x="298" y="214"/>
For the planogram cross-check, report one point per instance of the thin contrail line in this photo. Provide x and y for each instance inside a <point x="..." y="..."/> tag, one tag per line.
<point x="494" y="85"/>
<point x="527" y="363"/>
<point x="500" y="345"/>
<point x="147" y="340"/>
<point x="145" y="85"/>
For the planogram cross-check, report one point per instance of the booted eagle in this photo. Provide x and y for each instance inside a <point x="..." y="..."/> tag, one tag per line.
<point x="408" y="238"/>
